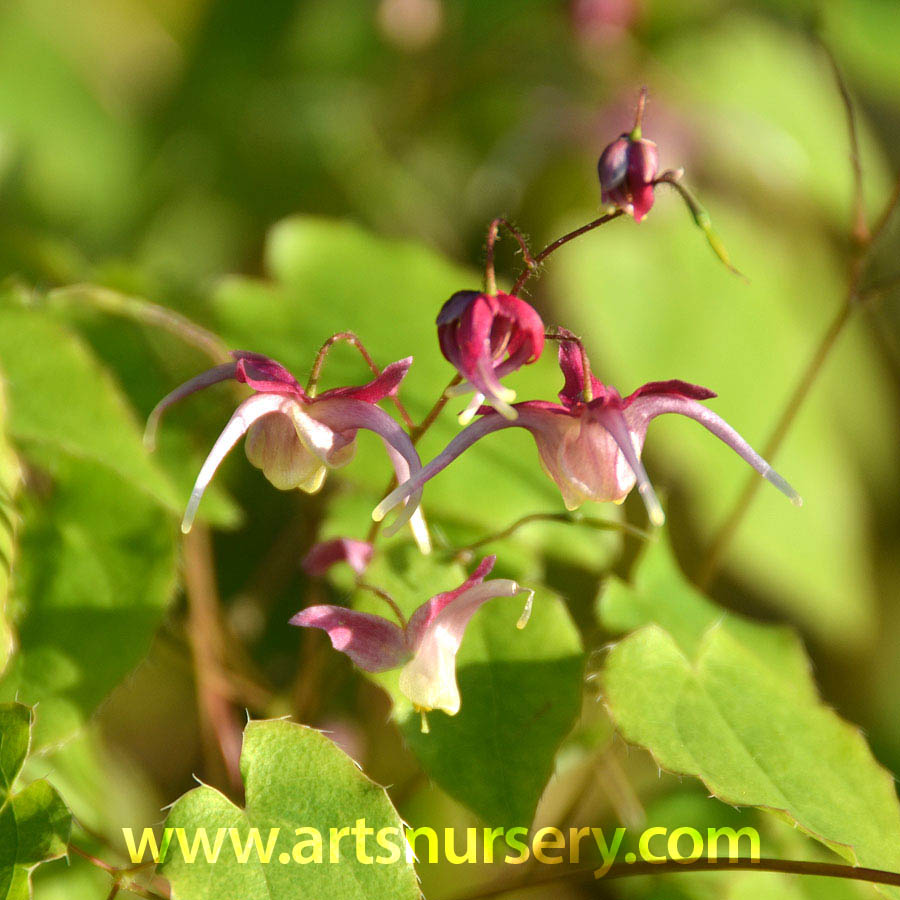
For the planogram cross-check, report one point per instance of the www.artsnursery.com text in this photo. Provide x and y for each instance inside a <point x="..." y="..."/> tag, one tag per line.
<point x="388" y="845"/>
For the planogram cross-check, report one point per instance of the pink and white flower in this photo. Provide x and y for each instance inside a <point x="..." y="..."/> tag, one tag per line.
<point x="295" y="438"/>
<point x="592" y="447"/>
<point x="426" y="646"/>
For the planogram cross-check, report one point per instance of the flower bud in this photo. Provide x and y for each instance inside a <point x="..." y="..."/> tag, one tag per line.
<point x="487" y="336"/>
<point x="627" y="168"/>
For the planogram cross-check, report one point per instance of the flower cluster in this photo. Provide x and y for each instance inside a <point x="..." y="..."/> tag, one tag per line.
<point x="589" y="443"/>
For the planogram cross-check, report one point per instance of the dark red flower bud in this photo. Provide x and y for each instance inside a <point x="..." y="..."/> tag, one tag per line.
<point x="627" y="168"/>
<point x="487" y="336"/>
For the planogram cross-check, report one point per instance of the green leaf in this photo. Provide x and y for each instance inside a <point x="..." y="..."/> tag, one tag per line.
<point x="96" y="557"/>
<point x="520" y="691"/>
<point x="733" y="703"/>
<point x="9" y="487"/>
<point x="293" y="777"/>
<point x="34" y="823"/>
<point x="61" y="398"/>
<point x="95" y="572"/>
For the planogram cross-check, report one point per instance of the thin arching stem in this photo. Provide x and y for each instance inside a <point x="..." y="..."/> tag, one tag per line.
<point x="118" y="873"/>
<point x="493" y="234"/>
<point x="807" y="379"/>
<point x="671" y="867"/>
<point x="147" y="313"/>
<point x="383" y="595"/>
<point x="527" y="272"/>
<point x="889" y="208"/>
<point x="860" y="230"/>
<point x="353" y="340"/>
<point x="566" y="517"/>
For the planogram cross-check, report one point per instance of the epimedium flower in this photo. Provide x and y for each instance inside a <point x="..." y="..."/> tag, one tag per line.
<point x="486" y="336"/>
<point x="425" y="646"/>
<point x="627" y="169"/>
<point x="590" y="443"/>
<point x="295" y="438"/>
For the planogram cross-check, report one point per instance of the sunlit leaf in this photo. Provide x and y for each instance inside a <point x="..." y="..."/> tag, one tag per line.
<point x="294" y="777"/>
<point x="733" y="703"/>
<point x="60" y="397"/>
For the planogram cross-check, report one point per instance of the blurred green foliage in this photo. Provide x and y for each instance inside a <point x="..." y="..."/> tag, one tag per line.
<point x="284" y="170"/>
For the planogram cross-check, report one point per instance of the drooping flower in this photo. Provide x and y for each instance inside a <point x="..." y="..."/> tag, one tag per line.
<point x="294" y="438"/>
<point x="486" y="336"/>
<point x="426" y="646"/>
<point x="590" y="443"/>
<point x="325" y="554"/>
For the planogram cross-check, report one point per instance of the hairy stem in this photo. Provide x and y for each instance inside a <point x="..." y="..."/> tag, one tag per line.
<point x="552" y="247"/>
<point x="350" y="338"/>
<point x="493" y="234"/>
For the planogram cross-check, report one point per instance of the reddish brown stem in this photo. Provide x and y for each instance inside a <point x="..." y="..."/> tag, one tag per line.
<point x="350" y="338"/>
<point x="219" y="725"/>
<point x="555" y="245"/>
<point x="671" y="867"/>
<point x="493" y="234"/>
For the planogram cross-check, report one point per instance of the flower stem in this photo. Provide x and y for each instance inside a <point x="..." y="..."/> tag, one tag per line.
<point x="416" y="433"/>
<point x="384" y="595"/>
<point x="565" y="517"/>
<point x="701" y="218"/>
<point x="147" y="313"/>
<point x="350" y="338"/>
<point x="532" y="267"/>
<point x="220" y="729"/>
<point x="493" y="234"/>
<point x="671" y="866"/>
